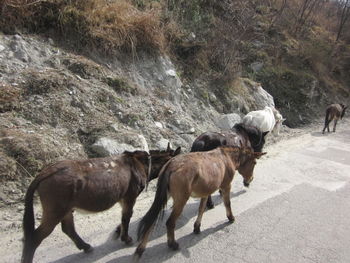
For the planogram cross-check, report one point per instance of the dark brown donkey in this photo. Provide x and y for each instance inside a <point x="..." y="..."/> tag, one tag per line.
<point x="333" y="112"/>
<point x="240" y="135"/>
<point x="93" y="185"/>
<point x="196" y="174"/>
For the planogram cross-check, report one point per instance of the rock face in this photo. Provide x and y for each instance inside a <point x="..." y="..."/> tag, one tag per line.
<point x="57" y="105"/>
<point x="227" y="121"/>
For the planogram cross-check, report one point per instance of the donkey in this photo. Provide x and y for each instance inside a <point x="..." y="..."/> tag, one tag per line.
<point x="93" y="185"/>
<point x="240" y="135"/>
<point x="267" y="120"/>
<point x="196" y="174"/>
<point x="334" y="112"/>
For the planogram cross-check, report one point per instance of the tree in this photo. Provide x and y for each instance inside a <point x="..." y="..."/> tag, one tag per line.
<point x="307" y="8"/>
<point x="344" y="17"/>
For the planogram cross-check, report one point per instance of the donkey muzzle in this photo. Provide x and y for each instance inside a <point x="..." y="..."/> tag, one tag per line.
<point x="246" y="183"/>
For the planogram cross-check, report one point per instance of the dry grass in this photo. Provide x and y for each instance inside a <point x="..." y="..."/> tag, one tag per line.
<point x="111" y="25"/>
<point x="107" y="25"/>
<point x="9" y="97"/>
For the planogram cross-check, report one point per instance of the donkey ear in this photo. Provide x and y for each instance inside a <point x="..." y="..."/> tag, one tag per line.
<point x="177" y="151"/>
<point x="257" y="155"/>
<point x="168" y="148"/>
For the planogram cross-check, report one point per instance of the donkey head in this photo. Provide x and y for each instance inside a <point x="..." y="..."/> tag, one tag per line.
<point x="247" y="165"/>
<point x="343" y="110"/>
<point x="159" y="158"/>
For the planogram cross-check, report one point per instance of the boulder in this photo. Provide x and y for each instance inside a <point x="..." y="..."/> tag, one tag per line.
<point x="227" y="121"/>
<point x="162" y="144"/>
<point x="262" y="97"/>
<point x="105" y="146"/>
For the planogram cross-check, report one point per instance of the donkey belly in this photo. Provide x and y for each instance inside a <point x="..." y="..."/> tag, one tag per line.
<point x="202" y="188"/>
<point x="96" y="203"/>
<point x="96" y="200"/>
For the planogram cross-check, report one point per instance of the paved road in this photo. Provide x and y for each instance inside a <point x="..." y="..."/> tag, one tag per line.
<point x="296" y="210"/>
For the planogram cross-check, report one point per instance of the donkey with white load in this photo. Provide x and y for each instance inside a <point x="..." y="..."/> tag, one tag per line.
<point x="267" y="120"/>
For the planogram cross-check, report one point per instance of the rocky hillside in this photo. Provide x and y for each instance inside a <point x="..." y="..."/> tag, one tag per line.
<point x="59" y="105"/>
<point x="79" y="81"/>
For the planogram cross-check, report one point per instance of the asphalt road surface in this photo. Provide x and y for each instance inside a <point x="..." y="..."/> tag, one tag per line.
<point x="296" y="210"/>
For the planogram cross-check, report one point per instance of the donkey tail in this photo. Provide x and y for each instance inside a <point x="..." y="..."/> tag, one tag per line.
<point x="158" y="205"/>
<point x="28" y="218"/>
<point x="28" y="223"/>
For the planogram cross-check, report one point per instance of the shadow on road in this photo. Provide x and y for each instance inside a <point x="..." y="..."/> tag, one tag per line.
<point x="112" y="245"/>
<point x="161" y="252"/>
<point x="319" y="134"/>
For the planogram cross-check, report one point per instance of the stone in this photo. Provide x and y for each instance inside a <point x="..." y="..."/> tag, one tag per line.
<point x="162" y="144"/>
<point x="108" y="147"/>
<point x="158" y="124"/>
<point x="227" y="121"/>
<point x="262" y="97"/>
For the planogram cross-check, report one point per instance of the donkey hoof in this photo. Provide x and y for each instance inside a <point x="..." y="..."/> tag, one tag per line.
<point x="138" y="253"/>
<point x="197" y="229"/>
<point x="173" y="245"/>
<point x="127" y="240"/>
<point x="231" y="219"/>
<point x="88" y="249"/>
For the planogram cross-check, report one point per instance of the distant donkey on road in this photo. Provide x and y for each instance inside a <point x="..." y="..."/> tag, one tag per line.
<point x="333" y="112"/>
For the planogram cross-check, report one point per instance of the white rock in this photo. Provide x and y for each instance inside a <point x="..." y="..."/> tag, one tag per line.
<point x="107" y="147"/>
<point x="158" y="124"/>
<point x="171" y="72"/>
<point x="162" y="144"/>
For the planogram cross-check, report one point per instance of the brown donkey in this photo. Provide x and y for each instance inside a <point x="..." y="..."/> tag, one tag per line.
<point x="196" y="174"/>
<point x="240" y="135"/>
<point x="333" y="112"/>
<point x="93" y="185"/>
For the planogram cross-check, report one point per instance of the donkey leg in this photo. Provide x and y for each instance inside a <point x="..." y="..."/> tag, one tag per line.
<point x="335" y="125"/>
<point x="197" y="224"/>
<point x="326" y="126"/>
<point x="67" y="225"/>
<point x="227" y="203"/>
<point x="142" y="246"/>
<point x="210" y="204"/>
<point x="127" y="211"/>
<point x="47" y="225"/>
<point x="170" y="223"/>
